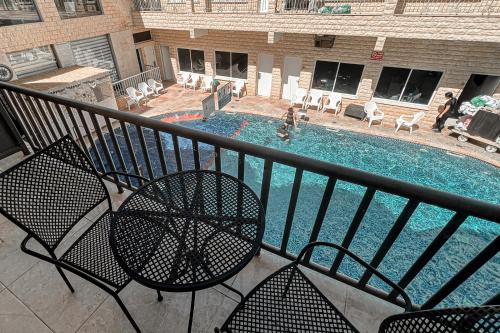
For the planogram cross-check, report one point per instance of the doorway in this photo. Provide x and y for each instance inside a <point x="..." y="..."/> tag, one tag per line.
<point x="139" y="59"/>
<point x="291" y="76"/>
<point x="168" y="71"/>
<point x="265" y="74"/>
<point x="479" y="84"/>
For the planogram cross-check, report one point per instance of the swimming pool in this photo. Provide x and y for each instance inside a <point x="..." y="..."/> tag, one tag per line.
<point x="397" y="159"/>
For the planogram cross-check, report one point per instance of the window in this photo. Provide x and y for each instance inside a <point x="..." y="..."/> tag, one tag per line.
<point x="341" y="78"/>
<point x="231" y="64"/>
<point x="191" y="61"/>
<point x="95" y="52"/>
<point x="78" y="8"/>
<point x="32" y="61"/>
<point x="140" y="37"/>
<point x="18" y="12"/>
<point x="407" y="85"/>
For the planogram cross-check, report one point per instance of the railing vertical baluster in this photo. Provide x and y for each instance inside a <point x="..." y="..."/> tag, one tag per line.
<point x="177" y="152"/>
<point x="467" y="271"/>
<point x="39" y="120"/>
<point x="445" y="234"/>
<point x="389" y="240"/>
<point x="130" y="148"/>
<point x="91" y="140"/>
<point x="196" y="154"/>
<point x="161" y="152"/>
<point x="45" y="119"/>
<point x="118" y="150"/>
<point x="241" y="166"/>
<point x="105" y="148"/>
<point x="38" y="135"/>
<point x="77" y="130"/>
<point x="21" y="118"/>
<point x="266" y="182"/>
<point x="145" y="153"/>
<point x="291" y="210"/>
<point x="63" y="119"/>
<point x="495" y="300"/>
<point x="54" y="118"/>
<point x="218" y="163"/>
<point x="320" y="217"/>
<point x="353" y="227"/>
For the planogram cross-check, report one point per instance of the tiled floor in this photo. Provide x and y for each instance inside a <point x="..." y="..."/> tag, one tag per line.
<point x="177" y="99"/>
<point x="33" y="297"/>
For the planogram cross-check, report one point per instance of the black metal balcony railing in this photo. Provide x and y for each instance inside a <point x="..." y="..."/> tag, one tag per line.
<point x="45" y="118"/>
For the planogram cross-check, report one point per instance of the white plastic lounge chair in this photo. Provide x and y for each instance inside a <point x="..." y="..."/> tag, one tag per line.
<point x="185" y="77"/>
<point x="193" y="82"/>
<point x="145" y="89"/>
<point x="334" y="103"/>
<point x="406" y="121"/>
<point x="207" y="84"/>
<point x="300" y="97"/>
<point x="134" y="97"/>
<point x="315" y="99"/>
<point x="373" y="113"/>
<point x="238" y="87"/>
<point x="156" y="86"/>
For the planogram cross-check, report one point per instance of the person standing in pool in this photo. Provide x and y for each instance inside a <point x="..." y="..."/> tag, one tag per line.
<point x="450" y="111"/>
<point x="290" y="118"/>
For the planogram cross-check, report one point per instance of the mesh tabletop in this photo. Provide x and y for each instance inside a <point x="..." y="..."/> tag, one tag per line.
<point x="187" y="231"/>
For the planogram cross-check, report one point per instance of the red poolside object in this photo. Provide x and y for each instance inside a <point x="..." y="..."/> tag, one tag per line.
<point x="183" y="117"/>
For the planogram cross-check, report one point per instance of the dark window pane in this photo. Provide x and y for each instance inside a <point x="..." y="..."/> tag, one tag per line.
<point x="222" y="63"/>
<point x="324" y="75"/>
<point x="421" y="86"/>
<point x="391" y="82"/>
<point x="184" y="60"/>
<point x="15" y="12"/>
<point x="239" y="65"/>
<point x="78" y="8"/>
<point x="198" y="61"/>
<point x="348" y="79"/>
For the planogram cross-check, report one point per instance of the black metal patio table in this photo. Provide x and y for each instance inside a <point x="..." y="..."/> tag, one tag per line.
<point x="187" y="231"/>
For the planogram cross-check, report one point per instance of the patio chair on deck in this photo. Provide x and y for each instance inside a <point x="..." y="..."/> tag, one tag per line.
<point x="404" y="121"/>
<point x="156" y="86"/>
<point x="134" y="97"/>
<point x="315" y="99"/>
<point x="238" y="87"/>
<point x="334" y="103"/>
<point x="145" y="89"/>
<point x="46" y="195"/>
<point x="287" y="301"/>
<point x="193" y="82"/>
<point x="481" y="319"/>
<point x="207" y="84"/>
<point x="373" y="113"/>
<point x="300" y="97"/>
<point x="184" y="79"/>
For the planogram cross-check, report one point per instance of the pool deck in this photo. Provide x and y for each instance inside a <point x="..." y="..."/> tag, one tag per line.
<point x="177" y="99"/>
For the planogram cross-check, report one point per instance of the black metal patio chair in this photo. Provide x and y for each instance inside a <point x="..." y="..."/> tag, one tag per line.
<point x="482" y="319"/>
<point x="46" y="195"/>
<point x="287" y="301"/>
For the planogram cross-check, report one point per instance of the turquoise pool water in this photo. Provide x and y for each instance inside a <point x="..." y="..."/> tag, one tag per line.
<point x="397" y="159"/>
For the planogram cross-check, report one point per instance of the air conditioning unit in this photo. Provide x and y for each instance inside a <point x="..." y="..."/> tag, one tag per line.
<point x="324" y="41"/>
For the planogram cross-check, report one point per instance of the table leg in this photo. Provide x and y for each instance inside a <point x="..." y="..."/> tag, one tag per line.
<point x="193" y="295"/>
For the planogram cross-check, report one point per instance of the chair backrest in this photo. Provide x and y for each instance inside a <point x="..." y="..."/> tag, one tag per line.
<point x="300" y="95"/>
<point x="143" y="87"/>
<point x="334" y="98"/>
<point x="239" y="84"/>
<point x="132" y="93"/>
<point x="316" y="96"/>
<point x="50" y="191"/>
<point x="185" y="76"/>
<point x="195" y="78"/>
<point x="417" y="117"/>
<point x="208" y="81"/>
<point x="370" y="108"/>
<point x="458" y="320"/>
<point x="152" y="83"/>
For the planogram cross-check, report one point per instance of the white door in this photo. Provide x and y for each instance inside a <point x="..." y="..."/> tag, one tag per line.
<point x="149" y="57"/>
<point x="168" y="72"/>
<point x="264" y="6"/>
<point x="291" y="75"/>
<point x="265" y="74"/>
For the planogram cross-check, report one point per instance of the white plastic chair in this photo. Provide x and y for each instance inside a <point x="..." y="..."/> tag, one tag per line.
<point x="184" y="79"/>
<point x="207" y="84"/>
<point x="315" y="99"/>
<point x="300" y="97"/>
<point x="373" y="113"/>
<point x="134" y="97"/>
<point x="156" y="86"/>
<point x="238" y="87"/>
<point x="334" y="103"/>
<point x="404" y="121"/>
<point x="145" y="89"/>
<point x="193" y="82"/>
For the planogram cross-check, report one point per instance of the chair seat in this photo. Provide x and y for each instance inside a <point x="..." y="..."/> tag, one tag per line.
<point x="272" y="307"/>
<point x="91" y="253"/>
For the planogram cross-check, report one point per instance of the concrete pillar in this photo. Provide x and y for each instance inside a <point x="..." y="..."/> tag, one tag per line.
<point x="64" y="55"/>
<point x="124" y="50"/>
<point x="277" y="76"/>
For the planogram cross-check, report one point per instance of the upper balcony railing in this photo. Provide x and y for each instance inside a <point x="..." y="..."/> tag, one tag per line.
<point x="126" y="142"/>
<point x="325" y="7"/>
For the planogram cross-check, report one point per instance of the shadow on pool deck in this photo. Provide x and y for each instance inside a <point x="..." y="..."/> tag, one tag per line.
<point x="177" y="99"/>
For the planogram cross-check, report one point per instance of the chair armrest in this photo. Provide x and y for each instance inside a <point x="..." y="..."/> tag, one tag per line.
<point x="310" y="246"/>
<point x="125" y="174"/>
